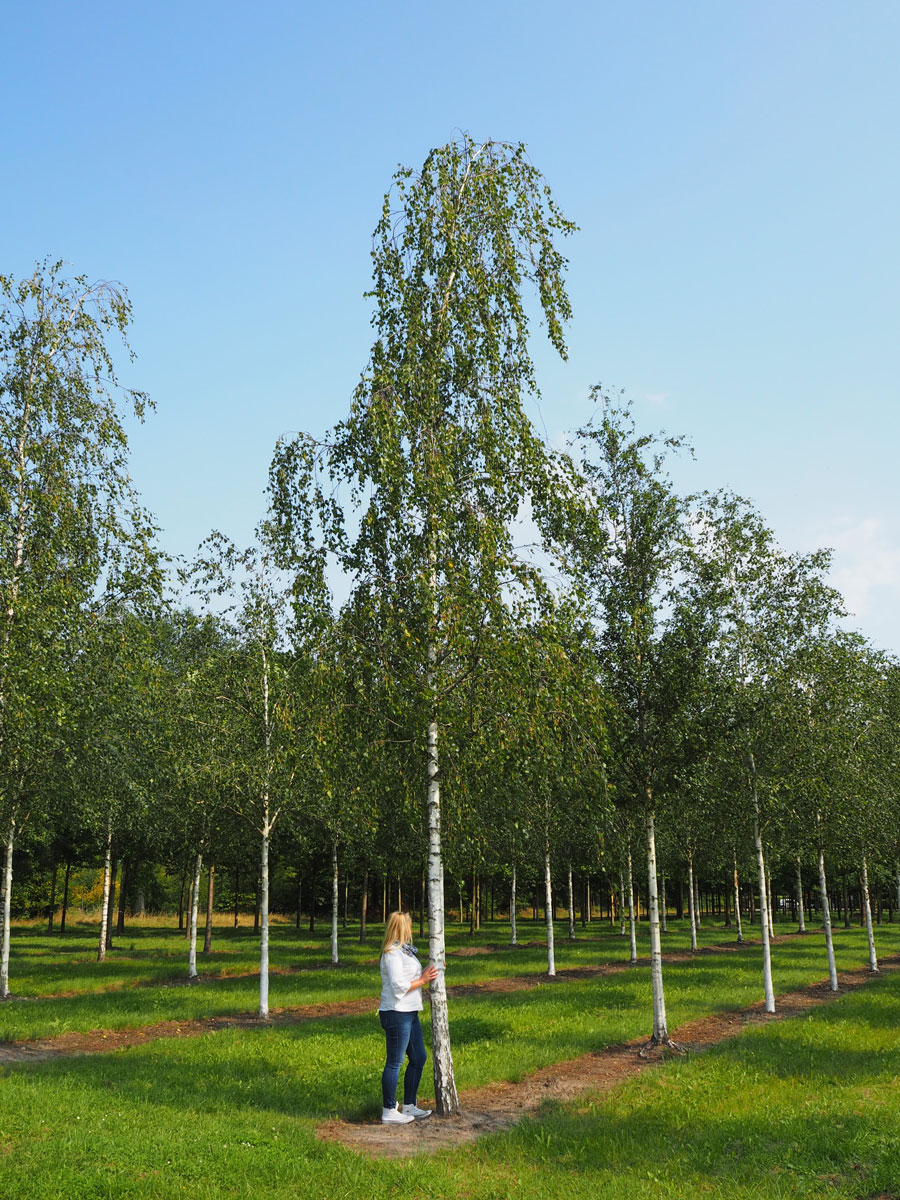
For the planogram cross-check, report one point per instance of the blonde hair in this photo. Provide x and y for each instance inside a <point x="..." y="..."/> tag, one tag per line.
<point x="397" y="929"/>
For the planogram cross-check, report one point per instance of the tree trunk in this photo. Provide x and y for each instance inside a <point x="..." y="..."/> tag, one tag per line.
<point x="210" y="887"/>
<point x="848" y="915"/>
<point x="111" y="904"/>
<point x="335" y="902"/>
<point x="52" y="912"/>
<point x="631" y="921"/>
<point x="263" y="911"/>
<point x="826" y="920"/>
<point x="346" y="902"/>
<point x="195" y="905"/>
<point x="692" y="904"/>
<point x="363" y="908"/>
<point x="571" y="907"/>
<point x="870" y="933"/>
<point x="737" y="903"/>
<point x="663" y="914"/>
<point x="622" y="916"/>
<point x="548" y="911"/>
<point x="660" y="1035"/>
<point x="764" y="916"/>
<point x="445" y="1097"/>
<point x="237" y="880"/>
<point x="801" y="916"/>
<point x="512" y="907"/>
<point x="123" y="896"/>
<point x="181" y="901"/>
<point x="65" y="903"/>
<point x="7" y="910"/>
<point x="422" y="902"/>
<point x="769" y="899"/>
<point x="104" y="904"/>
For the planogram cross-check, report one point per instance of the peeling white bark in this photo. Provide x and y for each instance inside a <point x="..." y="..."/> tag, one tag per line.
<point x="660" y="1032"/>
<point x="335" y="900"/>
<point x="867" y="904"/>
<point x="7" y="912"/>
<point x="692" y="902"/>
<point x="764" y="918"/>
<point x="548" y="911"/>
<point x="512" y="907"/>
<point x="195" y="905"/>
<point x="445" y="1096"/>
<point x="264" y="919"/>
<point x="104" y="906"/>
<point x="631" y="919"/>
<point x="737" y="903"/>
<point x="801" y="915"/>
<point x="826" y="920"/>
<point x="571" y="907"/>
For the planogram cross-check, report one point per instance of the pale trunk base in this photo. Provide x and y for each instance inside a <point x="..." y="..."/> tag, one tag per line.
<point x="195" y="905"/>
<point x="826" y="921"/>
<point x="548" y="913"/>
<point x="867" y="904"/>
<point x="764" y="921"/>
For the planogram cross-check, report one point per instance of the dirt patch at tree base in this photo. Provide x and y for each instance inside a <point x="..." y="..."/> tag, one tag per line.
<point x="496" y="1107"/>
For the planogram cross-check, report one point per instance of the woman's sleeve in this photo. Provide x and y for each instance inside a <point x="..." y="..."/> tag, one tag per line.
<point x="393" y="969"/>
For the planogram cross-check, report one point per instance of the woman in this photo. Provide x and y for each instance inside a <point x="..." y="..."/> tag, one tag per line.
<point x="402" y="981"/>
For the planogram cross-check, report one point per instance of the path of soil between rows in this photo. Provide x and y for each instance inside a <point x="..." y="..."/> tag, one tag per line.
<point x="496" y="1107"/>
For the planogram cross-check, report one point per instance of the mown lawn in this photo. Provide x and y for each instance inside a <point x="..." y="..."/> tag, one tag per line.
<point x="800" y="1108"/>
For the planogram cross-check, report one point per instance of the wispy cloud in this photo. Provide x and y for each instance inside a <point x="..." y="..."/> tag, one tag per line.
<point x="657" y="398"/>
<point x="866" y="565"/>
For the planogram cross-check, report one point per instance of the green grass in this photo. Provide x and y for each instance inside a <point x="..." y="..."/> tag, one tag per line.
<point x="809" y="1107"/>
<point x="59" y="987"/>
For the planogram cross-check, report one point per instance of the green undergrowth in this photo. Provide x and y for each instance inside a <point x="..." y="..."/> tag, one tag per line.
<point x="58" y="987"/>
<point x="808" y="1107"/>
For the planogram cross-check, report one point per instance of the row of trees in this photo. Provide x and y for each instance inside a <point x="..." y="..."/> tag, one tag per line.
<point x="651" y="678"/>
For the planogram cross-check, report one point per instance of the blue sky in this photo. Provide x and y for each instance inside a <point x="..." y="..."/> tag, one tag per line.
<point x="733" y="168"/>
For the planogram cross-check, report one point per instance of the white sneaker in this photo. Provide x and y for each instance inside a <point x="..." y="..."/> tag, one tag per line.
<point x="418" y="1114"/>
<point x="393" y="1116"/>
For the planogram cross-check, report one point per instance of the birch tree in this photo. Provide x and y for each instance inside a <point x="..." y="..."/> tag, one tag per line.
<point x="438" y="452"/>
<point x="68" y="511"/>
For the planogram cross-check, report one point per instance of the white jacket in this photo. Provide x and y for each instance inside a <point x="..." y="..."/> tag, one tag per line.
<point x="398" y="970"/>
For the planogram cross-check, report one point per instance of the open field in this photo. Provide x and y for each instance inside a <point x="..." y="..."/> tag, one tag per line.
<point x="807" y="1107"/>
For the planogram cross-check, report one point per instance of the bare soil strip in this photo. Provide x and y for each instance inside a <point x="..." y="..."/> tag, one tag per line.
<point x="496" y="1107"/>
<point x="104" y="1041"/>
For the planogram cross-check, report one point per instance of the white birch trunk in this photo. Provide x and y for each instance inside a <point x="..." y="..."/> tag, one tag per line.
<point x="104" y="906"/>
<point x="622" y="917"/>
<point x="631" y="920"/>
<point x="445" y="1097"/>
<point x="660" y="1032"/>
<point x="692" y="903"/>
<point x="335" y="901"/>
<point x="571" y="908"/>
<point x="7" y="910"/>
<point x="696" y="902"/>
<point x="826" y="920"/>
<point x="801" y="924"/>
<point x="867" y="904"/>
<point x="769" y="898"/>
<point x="512" y="907"/>
<point x="737" y="903"/>
<point x="548" y="911"/>
<point x="263" y="1013"/>
<point x="898" y="891"/>
<point x="764" y="918"/>
<point x="195" y="905"/>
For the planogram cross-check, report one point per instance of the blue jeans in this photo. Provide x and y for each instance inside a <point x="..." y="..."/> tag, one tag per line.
<point x="404" y="1037"/>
